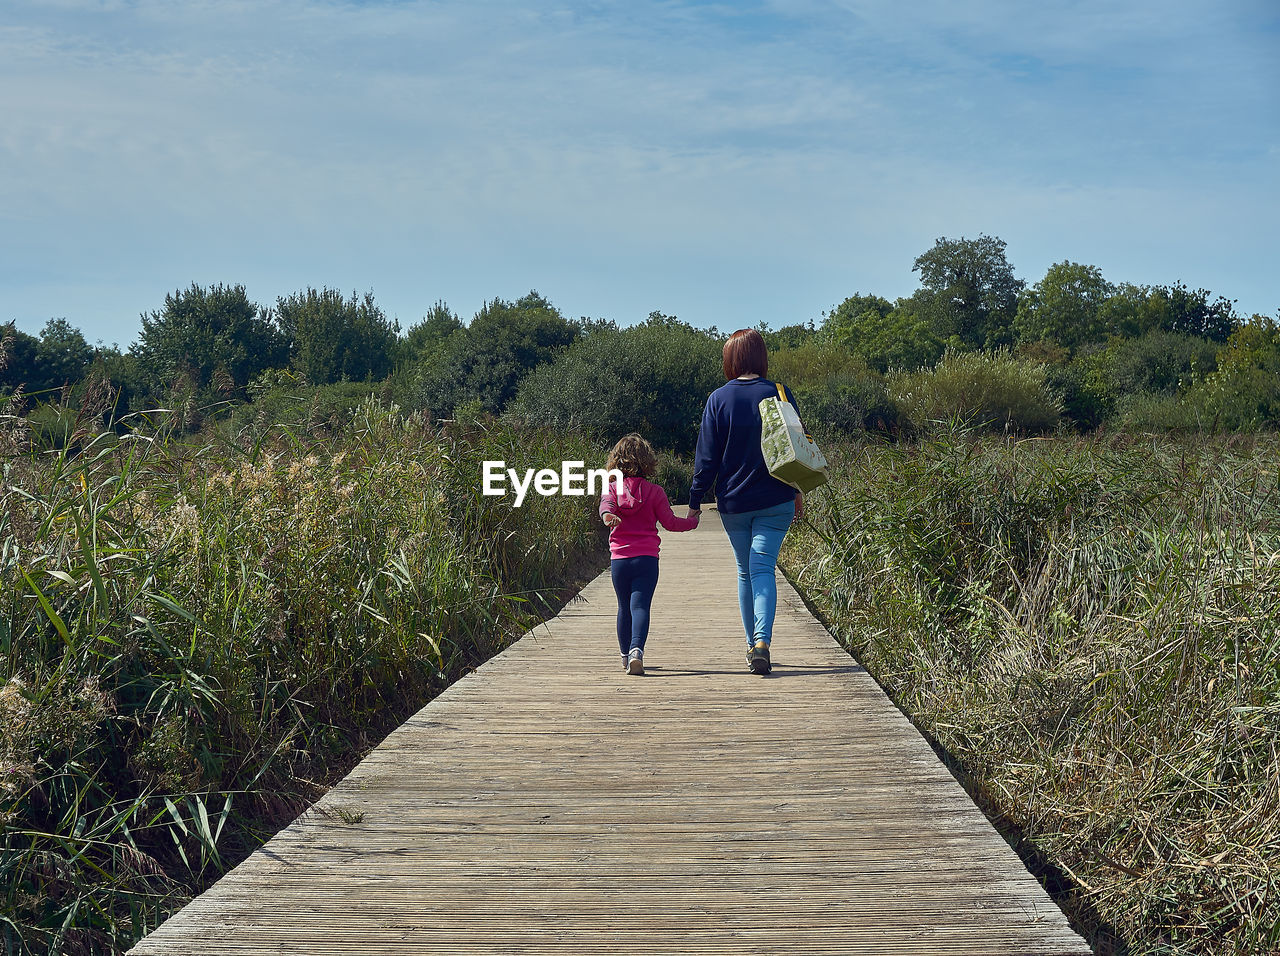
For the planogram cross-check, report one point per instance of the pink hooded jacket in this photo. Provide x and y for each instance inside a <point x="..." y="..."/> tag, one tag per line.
<point x="641" y="506"/>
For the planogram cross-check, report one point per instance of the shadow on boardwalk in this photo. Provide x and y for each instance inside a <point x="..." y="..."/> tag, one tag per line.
<point x="779" y="670"/>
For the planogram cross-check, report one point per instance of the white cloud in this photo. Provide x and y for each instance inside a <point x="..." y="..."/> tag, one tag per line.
<point x="817" y="143"/>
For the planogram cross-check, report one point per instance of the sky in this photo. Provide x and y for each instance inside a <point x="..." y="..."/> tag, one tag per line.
<point x="728" y="163"/>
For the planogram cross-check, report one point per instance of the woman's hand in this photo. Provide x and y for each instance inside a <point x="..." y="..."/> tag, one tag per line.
<point x="693" y="512"/>
<point x="611" y="519"/>
<point x="799" y="506"/>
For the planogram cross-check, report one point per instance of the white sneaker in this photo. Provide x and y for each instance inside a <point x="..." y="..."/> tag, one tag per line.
<point x="635" y="661"/>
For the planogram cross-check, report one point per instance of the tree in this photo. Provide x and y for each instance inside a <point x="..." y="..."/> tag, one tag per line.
<point x="121" y="370"/>
<point x="968" y="291"/>
<point x="60" y="357"/>
<point x="886" y="336"/>
<point x="585" y="327"/>
<point x="1134" y="310"/>
<point x="652" y="378"/>
<point x="18" y="363"/>
<point x="1191" y="313"/>
<point x="1123" y="313"/>
<point x="332" y="339"/>
<point x="63" y="356"/>
<point x="856" y="319"/>
<point x="1064" y="307"/>
<point x="205" y="337"/>
<point x="485" y="362"/>
<point x="426" y="337"/>
<point x="787" y="337"/>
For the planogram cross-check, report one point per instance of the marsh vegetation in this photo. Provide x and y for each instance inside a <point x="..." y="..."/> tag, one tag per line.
<point x="235" y="554"/>
<point x="1090" y="629"/>
<point x="198" y="634"/>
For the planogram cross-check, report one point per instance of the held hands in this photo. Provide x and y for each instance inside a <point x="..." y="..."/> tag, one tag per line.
<point x="694" y="513"/>
<point x="799" y="506"/>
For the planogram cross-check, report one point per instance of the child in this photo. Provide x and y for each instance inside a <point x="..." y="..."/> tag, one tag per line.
<point x="633" y="517"/>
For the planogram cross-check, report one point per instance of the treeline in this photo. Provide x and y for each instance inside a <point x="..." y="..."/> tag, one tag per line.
<point x="973" y="343"/>
<point x="1147" y="357"/>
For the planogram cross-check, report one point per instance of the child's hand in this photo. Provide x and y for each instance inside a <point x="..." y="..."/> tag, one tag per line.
<point x="612" y="520"/>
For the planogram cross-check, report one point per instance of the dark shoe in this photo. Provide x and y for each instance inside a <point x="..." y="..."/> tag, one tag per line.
<point x="758" y="659"/>
<point x="635" y="661"/>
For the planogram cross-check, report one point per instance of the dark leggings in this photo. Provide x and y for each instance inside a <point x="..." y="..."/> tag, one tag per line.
<point x="633" y="581"/>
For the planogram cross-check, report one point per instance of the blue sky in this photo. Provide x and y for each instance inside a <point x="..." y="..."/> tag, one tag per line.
<point x="729" y="163"/>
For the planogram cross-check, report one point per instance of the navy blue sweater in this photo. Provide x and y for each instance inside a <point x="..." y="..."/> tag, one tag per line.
<point x="728" y="455"/>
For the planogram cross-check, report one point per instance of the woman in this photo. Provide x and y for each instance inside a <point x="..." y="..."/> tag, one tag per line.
<point x="755" y="508"/>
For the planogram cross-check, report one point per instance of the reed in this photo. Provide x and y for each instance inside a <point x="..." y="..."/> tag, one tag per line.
<point x="1089" y="628"/>
<point x="195" y="639"/>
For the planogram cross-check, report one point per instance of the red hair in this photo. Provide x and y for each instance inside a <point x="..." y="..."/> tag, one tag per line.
<point x="745" y="354"/>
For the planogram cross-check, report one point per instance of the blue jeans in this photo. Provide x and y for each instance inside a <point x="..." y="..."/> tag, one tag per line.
<point x="756" y="537"/>
<point x="634" y="580"/>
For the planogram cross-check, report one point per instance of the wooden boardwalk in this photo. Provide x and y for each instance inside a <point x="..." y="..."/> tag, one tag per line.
<point x="551" y="803"/>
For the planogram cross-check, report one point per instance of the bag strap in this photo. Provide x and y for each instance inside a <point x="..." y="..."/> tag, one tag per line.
<point x="783" y="395"/>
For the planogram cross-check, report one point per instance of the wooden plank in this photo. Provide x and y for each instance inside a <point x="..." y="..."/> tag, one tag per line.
<point x="551" y="803"/>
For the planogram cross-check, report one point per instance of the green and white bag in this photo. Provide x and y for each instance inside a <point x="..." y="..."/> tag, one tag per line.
<point x="789" y="454"/>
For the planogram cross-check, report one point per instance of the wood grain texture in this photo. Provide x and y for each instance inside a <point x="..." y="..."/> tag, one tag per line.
<point x="551" y="803"/>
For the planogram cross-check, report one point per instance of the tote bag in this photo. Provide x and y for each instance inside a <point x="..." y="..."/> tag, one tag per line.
<point x="789" y="454"/>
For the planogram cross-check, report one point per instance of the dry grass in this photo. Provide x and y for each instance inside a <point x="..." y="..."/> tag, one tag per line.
<point x="196" y="638"/>
<point x="1090" y="629"/>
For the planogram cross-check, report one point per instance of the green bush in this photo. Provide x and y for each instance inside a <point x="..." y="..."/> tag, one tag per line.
<point x="281" y="398"/>
<point x="837" y="391"/>
<point x="675" y="475"/>
<point x="1157" y="412"/>
<point x="1240" y="393"/>
<point x="1067" y="376"/>
<point x="847" y="403"/>
<point x="1160" y="362"/>
<point x="1243" y="392"/>
<point x="51" y="425"/>
<point x="1156" y="363"/>
<point x="486" y="361"/>
<point x="978" y="389"/>
<point x="883" y="335"/>
<point x="814" y="362"/>
<point x="653" y="378"/>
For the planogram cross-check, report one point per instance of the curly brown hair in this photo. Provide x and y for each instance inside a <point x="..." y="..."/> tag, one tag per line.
<point x="633" y="456"/>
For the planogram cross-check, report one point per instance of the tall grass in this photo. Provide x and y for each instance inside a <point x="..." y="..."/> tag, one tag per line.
<point x="993" y="390"/>
<point x="1090" y="629"/>
<point x="196" y="640"/>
